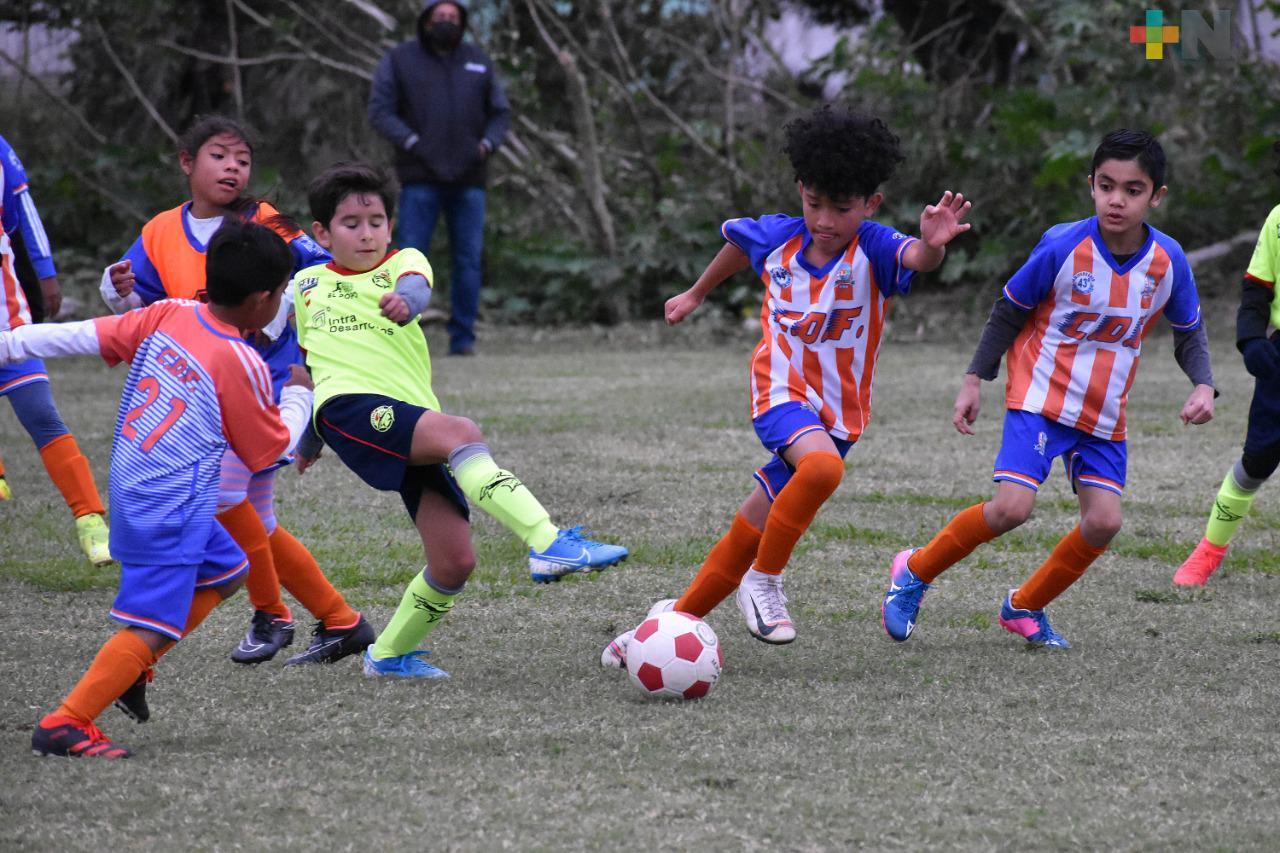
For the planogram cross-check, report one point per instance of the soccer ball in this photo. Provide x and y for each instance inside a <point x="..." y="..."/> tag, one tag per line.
<point x="674" y="655"/>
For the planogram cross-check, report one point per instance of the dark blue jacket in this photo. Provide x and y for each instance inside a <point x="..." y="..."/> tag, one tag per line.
<point x="451" y="102"/>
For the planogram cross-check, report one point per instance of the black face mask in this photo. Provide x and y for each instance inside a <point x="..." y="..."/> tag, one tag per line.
<point x="444" y="35"/>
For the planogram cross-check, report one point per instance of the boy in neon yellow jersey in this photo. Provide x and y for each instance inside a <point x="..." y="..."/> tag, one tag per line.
<point x="375" y="408"/>
<point x="1261" y="456"/>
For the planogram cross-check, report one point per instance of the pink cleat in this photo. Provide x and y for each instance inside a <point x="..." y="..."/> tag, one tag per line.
<point x="1202" y="562"/>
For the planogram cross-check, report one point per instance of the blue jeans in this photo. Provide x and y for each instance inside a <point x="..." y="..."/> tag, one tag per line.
<point x="463" y="207"/>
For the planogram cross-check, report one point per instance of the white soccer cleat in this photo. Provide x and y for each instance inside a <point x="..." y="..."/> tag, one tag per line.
<point x="764" y="606"/>
<point x="614" y="655"/>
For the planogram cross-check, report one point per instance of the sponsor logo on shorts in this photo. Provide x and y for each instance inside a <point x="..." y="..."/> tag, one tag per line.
<point x="1042" y="441"/>
<point x="382" y="418"/>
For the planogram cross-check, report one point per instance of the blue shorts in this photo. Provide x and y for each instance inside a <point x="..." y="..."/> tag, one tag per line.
<point x="23" y="373"/>
<point x="373" y="435"/>
<point x="158" y="598"/>
<point x="778" y="429"/>
<point x="1031" y="442"/>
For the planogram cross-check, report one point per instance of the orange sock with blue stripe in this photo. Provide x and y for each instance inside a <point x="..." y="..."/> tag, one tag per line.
<point x="1066" y="563"/>
<point x="301" y="575"/>
<point x="952" y="544"/>
<point x="262" y="583"/>
<point x="723" y="569"/>
<point x="70" y="473"/>
<point x="114" y="670"/>
<point x="816" y="478"/>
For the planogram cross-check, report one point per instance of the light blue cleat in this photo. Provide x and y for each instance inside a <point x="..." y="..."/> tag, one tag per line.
<point x="411" y="665"/>
<point x="571" y="552"/>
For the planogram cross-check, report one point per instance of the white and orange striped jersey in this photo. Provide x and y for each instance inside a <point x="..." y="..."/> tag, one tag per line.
<point x="13" y="183"/>
<point x="1075" y="360"/>
<point x="821" y="326"/>
<point x="194" y="387"/>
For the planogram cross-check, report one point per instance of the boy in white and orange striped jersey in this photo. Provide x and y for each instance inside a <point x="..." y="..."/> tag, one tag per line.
<point x="826" y="278"/>
<point x="1072" y="321"/>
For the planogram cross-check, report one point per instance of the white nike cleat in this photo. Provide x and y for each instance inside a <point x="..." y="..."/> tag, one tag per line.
<point x="764" y="606"/>
<point x="614" y="655"/>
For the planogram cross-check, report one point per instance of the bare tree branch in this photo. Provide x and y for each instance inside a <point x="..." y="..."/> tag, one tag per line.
<point x="66" y="105"/>
<point x="133" y="84"/>
<point x="258" y="18"/>
<point x="589" y="157"/>
<point x="233" y="54"/>
<point x="1222" y="247"/>
<point x="349" y="43"/>
<point x="242" y="61"/>
<point x="386" y="21"/>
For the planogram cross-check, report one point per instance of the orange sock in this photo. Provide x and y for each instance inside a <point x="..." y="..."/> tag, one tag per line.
<point x="723" y="569"/>
<point x="70" y="472"/>
<point x="953" y="543"/>
<point x="262" y="584"/>
<point x="815" y="479"/>
<point x="114" y="670"/>
<point x="301" y="575"/>
<point x="1067" y="562"/>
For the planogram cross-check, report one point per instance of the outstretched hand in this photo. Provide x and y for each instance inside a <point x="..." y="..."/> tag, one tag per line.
<point x="941" y="223"/>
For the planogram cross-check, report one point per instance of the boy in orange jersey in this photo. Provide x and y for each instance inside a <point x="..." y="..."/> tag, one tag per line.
<point x="828" y="276"/>
<point x="1072" y="320"/>
<point x="195" y="388"/>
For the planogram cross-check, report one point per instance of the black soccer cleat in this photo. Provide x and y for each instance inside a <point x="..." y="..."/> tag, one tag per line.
<point x="72" y="738"/>
<point x="133" y="702"/>
<point x="328" y="646"/>
<point x="267" y="635"/>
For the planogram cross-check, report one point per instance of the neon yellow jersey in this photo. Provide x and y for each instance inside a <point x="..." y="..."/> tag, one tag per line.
<point x="351" y="348"/>
<point x="1264" y="266"/>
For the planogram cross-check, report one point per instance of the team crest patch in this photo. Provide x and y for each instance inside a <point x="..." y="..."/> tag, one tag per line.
<point x="382" y="278"/>
<point x="781" y="276"/>
<point x="1082" y="282"/>
<point x="844" y="275"/>
<point x="382" y="418"/>
<point x="1148" y="288"/>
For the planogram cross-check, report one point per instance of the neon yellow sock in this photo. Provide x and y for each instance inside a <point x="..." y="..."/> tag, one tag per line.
<point x="504" y="497"/>
<point x="1229" y="509"/>
<point x="421" y="607"/>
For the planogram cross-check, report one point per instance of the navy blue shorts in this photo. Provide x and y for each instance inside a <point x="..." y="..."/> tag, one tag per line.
<point x="1031" y="442"/>
<point x="14" y="376"/>
<point x="373" y="435"/>
<point x="1263" y="433"/>
<point x="158" y="598"/>
<point x="778" y="429"/>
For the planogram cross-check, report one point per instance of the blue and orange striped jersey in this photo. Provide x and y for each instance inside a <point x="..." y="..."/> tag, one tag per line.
<point x="194" y="388"/>
<point x="1075" y="360"/>
<point x="821" y="327"/>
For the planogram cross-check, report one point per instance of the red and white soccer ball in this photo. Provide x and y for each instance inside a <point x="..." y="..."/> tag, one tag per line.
<point x="674" y="655"/>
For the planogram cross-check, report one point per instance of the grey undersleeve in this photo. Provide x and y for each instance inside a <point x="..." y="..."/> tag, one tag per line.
<point x="416" y="293"/>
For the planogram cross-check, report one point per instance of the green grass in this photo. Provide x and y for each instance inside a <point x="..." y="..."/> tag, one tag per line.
<point x="1155" y="731"/>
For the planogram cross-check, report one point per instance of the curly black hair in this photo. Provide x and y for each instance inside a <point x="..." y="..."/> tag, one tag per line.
<point x="841" y="152"/>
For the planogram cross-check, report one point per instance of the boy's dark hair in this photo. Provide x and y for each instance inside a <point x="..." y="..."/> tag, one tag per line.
<point x="841" y="153"/>
<point x="340" y="180"/>
<point x="207" y="127"/>
<point x="1137" y="145"/>
<point x="244" y="258"/>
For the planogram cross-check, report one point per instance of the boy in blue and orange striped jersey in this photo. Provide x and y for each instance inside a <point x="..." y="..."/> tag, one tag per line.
<point x="26" y="384"/>
<point x="1072" y="321"/>
<point x="827" y="278"/>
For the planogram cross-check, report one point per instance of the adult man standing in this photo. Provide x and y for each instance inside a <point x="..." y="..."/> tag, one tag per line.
<point x="439" y="102"/>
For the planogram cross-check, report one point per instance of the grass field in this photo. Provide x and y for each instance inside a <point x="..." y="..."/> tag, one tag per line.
<point x="1156" y="731"/>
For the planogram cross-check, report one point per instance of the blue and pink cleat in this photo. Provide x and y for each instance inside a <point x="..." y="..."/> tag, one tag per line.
<point x="901" y="603"/>
<point x="1032" y="625"/>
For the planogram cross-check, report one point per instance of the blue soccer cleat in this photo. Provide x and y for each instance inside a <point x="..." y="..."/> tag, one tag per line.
<point x="1032" y="625"/>
<point x="570" y="553"/>
<point x="411" y="665"/>
<point x="902" y="600"/>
